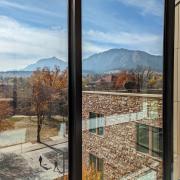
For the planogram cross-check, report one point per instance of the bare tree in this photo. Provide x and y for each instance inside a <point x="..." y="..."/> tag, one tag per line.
<point x="142" y="76"/>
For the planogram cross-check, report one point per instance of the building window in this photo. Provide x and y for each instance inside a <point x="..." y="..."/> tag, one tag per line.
<point x="157" y="142"/>
<point x="143" y="138"/>
<point x="149" y="140"/>
<point x="96" y="123"/>
<point x="97" y="164"/>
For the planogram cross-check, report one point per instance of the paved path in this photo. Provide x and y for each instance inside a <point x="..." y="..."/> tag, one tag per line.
<point x="31" y="153"/>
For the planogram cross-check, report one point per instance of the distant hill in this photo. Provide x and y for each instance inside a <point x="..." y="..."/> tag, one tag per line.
<point x="121" y="59"/>
<point x="113" y="60"/>
<point x="48" y="62"/>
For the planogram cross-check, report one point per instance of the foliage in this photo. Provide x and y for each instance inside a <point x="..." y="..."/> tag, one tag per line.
<point x="46" y="86"/>
<point x="5" y="109"/>
<point x="123" y="78"/>
<point x="90" y="173"/>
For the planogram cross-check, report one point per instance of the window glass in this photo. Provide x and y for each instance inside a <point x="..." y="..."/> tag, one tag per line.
<point x="157" y="142"/>
<point x="33" y="89"/>
<point x="122" y="85"/>
<point x="92" y="160"/>
<point x="143" y="138"/>
<point x="92" y="122"/>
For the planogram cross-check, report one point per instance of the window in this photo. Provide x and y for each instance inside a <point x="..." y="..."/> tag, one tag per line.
<point x="97" y="164"/>
<point x="96" y="123"/>
<point x="33" y="89"/>
<point x="157" y="142"/>
<point x="149" y="140"/>
<point x="122" y="80"/>
<point x="143" y="138"/>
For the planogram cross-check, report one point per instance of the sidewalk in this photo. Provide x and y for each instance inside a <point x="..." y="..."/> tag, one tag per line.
<point x="31" y="153"/>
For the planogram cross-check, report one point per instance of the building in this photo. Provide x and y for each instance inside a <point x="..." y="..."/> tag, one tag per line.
<point x="122" y="134"/>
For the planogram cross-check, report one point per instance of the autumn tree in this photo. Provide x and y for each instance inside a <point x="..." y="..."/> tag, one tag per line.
<point x="6" y="110"/>
<point x="55" y="82"/>
<point x="123" y="78"/>
<point x="46" y="85"/>
<point x="90" y="173"/>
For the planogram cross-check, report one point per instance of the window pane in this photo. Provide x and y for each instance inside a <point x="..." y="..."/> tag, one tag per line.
<point x="33" y="89"/>
<point x="100" y="165"/>
<point x="92" y="161"/>
<point x="92" y="122"/>
<point x="122" y="79"/>
<point x="143" y="138"/>
<point x="100" y="122"/>
<point x="157" y="143"/>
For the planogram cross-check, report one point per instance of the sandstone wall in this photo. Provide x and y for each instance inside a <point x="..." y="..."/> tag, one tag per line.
<point x="117" y="147"/>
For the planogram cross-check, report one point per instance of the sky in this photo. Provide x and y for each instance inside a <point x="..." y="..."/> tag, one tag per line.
<point x="35" y="29"/>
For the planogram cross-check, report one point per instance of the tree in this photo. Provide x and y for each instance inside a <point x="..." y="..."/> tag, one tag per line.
<point x="123" y="78"/>
<point x="46" y="85"/>
<point x="54" y="81"/>
<point x="5" y="111"/>
<point x="15" y="94"/>
<point x="143" y="74"/>
<point x="130" y="85"/>
<point x="152" y="82"/>
<point x="90" y="173"/>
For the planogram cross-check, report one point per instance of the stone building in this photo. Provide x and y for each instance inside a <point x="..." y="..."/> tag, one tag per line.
<point x="122" y="134"/>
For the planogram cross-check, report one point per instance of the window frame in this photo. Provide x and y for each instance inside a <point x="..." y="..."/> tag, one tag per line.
<point x="75" y="89"/>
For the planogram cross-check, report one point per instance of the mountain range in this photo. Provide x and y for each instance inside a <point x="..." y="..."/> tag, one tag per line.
<point x="112" y="60"/>
<point x="121" y="59"/>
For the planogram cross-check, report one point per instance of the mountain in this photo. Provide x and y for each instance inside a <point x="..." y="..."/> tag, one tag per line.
<point x="18" y="74"/>
<point x="121" y="59"/>
<point x="113" y="60"/>
<point x="48" y="62"/>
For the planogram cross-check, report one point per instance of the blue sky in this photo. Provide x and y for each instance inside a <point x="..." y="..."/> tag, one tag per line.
<point x="34" y="29"/>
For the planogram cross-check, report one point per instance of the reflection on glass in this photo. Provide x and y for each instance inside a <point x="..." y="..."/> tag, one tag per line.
<point x="157" y="142"/>
<point x="143" y="138"/>
<point x="33" y="89"/>
<point x="122" y="81"/>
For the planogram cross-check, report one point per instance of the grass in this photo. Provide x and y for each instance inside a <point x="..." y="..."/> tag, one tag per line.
<point x="49" y="129"/>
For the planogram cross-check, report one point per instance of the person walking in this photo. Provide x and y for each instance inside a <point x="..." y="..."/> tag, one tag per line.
<point x="55" y="165"/>
<point x="40" y="160"/>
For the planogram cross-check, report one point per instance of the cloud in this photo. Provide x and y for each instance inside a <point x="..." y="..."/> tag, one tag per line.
<point x="19" y="41"/>
<point x="154" y="7"/>
<point x="89" y="48"/>
<point x="28" y="8"/>
<point x="151" y="43"/>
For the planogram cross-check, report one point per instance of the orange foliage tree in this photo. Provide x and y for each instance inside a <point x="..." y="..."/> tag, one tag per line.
<point x="122" y="78"/>
<point x="90" y="173"/>
<point x="46" y="85"/>
<point x="5" y="111"/>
